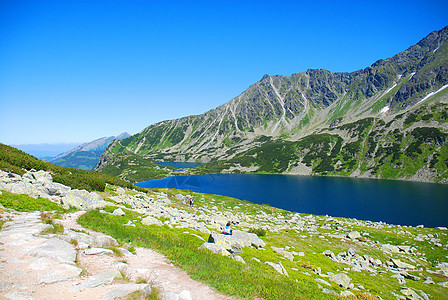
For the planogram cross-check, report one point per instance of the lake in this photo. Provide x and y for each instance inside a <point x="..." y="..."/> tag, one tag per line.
<point x="390" y="201"/>
<point x="176" y="164"/>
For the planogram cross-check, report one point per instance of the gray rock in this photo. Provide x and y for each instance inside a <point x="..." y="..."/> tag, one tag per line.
<point x="400" y="278"/>
<point x="341" y="279"/>
<point x="402" y="265"/>
<point x="278" y="267"/>
<point x="330" y="254"/>
<point x="151" y="221"/>
<point x="410" y="294"/>
<point x="346" y="294"/>
<point x="323" y="281"/>
<point x="55" y="249"/>
<point x="185" y="295"/>
<point x="97" y="280"/>
<point x="444" y="267"/>
<point x="389" y="248"/>
<point x="83" y="200"/>
<point x="247" y="239"/>
<point x="103" y="240"/>
<point x="330" y="292"/>
<point x="118" y="212"/>
<point x="229" y="242"/>
<point x="429" y="280"/>
<point x="98" y="251"/>
<point x="284" y="253"/>
<point x="351" y="251"/>
<point x="40" y="264"/>
<point x="63" y="272"/>
<point x="217" y="249"/>
<point x="354" y="235"/>
<point x="120" y="191"/>
<point x="238" y="258"/>
<point x="444" y="284"/>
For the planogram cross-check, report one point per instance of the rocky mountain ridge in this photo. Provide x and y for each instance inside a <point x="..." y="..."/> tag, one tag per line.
<point x="86" y="156"/>
<point x="281" y="108"/>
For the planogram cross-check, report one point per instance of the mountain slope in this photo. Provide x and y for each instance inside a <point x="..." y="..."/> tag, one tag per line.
<point x="87" y="155"/>
<point x="281" y="108"/>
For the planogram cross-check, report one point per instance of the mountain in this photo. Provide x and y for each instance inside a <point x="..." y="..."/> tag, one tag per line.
<point x="331" y="123"/>
<point x="87" y="155"/>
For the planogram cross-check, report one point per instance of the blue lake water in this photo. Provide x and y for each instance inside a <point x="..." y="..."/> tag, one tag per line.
<point x="394" y="202"/>
<point x="182" y="165"/>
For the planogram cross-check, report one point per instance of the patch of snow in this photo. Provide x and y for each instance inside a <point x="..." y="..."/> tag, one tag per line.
<point x="432" y="94"/>
<point x="390" y="89"/>
<point x="434" y="51"/>
<point x="385" y="109"/>
<point x="412" y="74"/>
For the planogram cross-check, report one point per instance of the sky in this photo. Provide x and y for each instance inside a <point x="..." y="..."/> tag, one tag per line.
<point x="75" y="71"/>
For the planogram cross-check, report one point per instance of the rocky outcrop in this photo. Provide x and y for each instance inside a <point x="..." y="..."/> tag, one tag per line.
<point x="40" y="184"/>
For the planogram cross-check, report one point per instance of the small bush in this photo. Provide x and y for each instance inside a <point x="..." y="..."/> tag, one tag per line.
<point x="258" y="231"/>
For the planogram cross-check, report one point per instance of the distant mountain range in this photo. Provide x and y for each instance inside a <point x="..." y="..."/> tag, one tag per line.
<point x="87" y="155"/>
<point x="388" y="120"/>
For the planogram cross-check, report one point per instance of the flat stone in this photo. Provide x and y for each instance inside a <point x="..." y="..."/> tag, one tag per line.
<point x="40" y="264"/>
<point x="330" y="292"/>
<point x="118" y="212"/>
<point x="402" y="265"/>
<point x="97" y="280"/>
<point x="278" y="267"/>
<point x="185" y="295"/>
<point x="151" y="221"/>
<point x="55" y="249"/>
<point x="98" y="251"/>
<point x="322" y="281"/>
<point x="354" y="235"/>
<point x="103" y="240"/>
<point x="63" y="272"/>
<point x="238" y="258"/>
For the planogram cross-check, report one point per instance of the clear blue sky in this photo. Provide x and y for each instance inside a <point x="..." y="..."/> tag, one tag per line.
<point x="74" y="71"/>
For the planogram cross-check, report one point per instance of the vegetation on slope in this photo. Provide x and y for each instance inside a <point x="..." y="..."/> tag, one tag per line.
<point x="16" y="161"/>
<point x="255" y="279"/>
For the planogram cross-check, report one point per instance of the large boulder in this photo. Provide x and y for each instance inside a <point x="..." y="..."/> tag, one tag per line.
<point x="151" y="221"/>
<point x="215" y="248"/>
<point x="83" y="200"/>
<point x="341" y="279"/>
<point x="401" y="265"/>
<point x="247" y="239"/>
<point x="227" y="241"/>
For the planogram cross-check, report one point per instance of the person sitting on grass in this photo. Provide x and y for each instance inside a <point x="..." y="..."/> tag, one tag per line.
<point x="227" y="230"/>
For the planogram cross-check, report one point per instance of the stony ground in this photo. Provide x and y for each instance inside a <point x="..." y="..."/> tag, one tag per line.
<point x="37" y="266"/>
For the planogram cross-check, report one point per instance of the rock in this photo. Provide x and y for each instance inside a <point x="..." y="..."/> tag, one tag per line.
<point x="217" y="249"/>
<point x="230" y="243"/>
<point x="323" y="281"/>
<point x="40" y="264"/>
<point x="278" y="267"/>
<point x="341" y="279"/>
<point x="55" y="249"/>
<point x="56" y="189"/>
<point x="284" y="253"/>
<point x="410" y="294"/>
<point x="83" y="200"/>
<point x="327" y="291"/>
<point x="118" y="212"/>
<point x="351" y="251"/>
<point x="444" y="284"/>
<point x="98" y="251"/>
<point x="238" y="258"/>
<point x="122" y="290"/>
<point x="389" y="248"/>
<point x="429" y="280"/>
<point x="330" y="254"/>
<point x="346" y="294"/>
<point x="410" y="276"/>
<point x="121" y="191"/>
<point x="151" y="221"/>
<point x="97" y="280"/>
<point x="103" y="240"/>
<point x="441" y="228"/>
<point x="185" y="295"/>
<point x="401" y="265"/>
<point x="63" y="272"/>
<point x="247" y="239"/>
<point x="400" y="278"/>
<point x="354" y="235"/>
<point x="444" y="267"/>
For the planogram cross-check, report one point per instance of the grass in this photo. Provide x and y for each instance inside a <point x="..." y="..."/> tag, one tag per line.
<point x="27" y="204"/>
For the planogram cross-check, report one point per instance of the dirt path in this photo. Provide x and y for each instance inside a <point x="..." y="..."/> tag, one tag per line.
<point x="35" y="266"/>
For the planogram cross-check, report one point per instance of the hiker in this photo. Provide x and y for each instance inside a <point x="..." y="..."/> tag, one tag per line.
<point x="227" y="230"/>
<point x="191" y="201"/>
